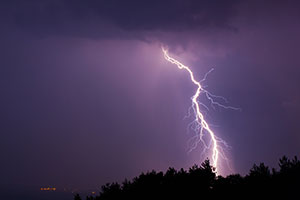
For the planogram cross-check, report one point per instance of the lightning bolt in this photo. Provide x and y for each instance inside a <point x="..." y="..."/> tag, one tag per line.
<point x="200" y="124"/>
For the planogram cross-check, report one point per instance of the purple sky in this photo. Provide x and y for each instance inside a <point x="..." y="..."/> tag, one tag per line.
<point x="87" y="98"/>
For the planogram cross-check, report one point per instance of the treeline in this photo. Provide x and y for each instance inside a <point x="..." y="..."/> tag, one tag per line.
<point x="201" y="182"/>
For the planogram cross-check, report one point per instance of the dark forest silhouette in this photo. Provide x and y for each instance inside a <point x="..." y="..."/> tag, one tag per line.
<point x="201" y="181"/>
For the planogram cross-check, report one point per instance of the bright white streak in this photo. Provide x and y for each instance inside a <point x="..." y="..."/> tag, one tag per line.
<point x="199" y="116"/>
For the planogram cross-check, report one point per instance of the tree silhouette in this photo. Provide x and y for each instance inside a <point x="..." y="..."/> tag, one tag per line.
<point x="201" y="181"/>
<point x="77" y="197"/>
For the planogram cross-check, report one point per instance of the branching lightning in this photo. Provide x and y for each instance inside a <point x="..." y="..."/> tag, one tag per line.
<point x="200" y="125"/>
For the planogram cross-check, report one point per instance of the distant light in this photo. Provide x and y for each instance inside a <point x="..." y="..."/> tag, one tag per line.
<point x="48" y="189"/>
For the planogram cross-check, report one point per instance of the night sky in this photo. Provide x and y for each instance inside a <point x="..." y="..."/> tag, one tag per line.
<point x="87" y="97"/>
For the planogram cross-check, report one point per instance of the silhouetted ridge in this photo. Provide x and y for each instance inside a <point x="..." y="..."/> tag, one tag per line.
<point x="200" y="182"/>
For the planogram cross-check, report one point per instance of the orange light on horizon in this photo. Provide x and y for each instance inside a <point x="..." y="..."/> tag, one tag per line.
<point x="48" y="189"/>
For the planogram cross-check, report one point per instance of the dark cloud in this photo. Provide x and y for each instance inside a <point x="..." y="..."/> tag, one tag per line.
<point x="117" y="18"/>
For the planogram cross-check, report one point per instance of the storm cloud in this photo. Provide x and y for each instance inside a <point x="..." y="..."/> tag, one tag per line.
<point x="118" y="19"/>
